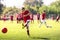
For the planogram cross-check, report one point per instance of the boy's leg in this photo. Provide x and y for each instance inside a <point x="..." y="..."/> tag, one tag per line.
<point x="25" y="24"/>
<point x="27" y="27"/>
<point x="40" y="23"/>
<point x="46" y="24"/>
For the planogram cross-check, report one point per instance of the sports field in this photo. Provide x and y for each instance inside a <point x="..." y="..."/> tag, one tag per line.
<point x="15" y="31"/>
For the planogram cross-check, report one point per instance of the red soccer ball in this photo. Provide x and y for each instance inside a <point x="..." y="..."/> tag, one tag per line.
<point x="4" y="30"/>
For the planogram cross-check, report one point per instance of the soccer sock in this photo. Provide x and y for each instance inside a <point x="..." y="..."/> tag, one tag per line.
<point x="28" y="33"/>
<point x="45" y="23"/>
<point x="40" y="24"/>
<point x="27" y="27"/>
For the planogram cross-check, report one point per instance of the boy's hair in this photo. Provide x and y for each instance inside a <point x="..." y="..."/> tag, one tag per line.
<point x="23" y="8"/>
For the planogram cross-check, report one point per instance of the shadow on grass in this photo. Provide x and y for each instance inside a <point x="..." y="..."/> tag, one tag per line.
<point x="40" y="38"/>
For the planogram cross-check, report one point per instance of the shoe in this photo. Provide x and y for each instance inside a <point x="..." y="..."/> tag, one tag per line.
<point x="49" y="26"/>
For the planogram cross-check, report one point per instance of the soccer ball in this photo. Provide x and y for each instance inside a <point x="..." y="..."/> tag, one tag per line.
<point x="4" y="30"/>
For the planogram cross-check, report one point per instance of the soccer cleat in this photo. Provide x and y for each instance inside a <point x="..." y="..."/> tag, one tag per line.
<point x="23" y="26"/>
<point x="49" y="26"/>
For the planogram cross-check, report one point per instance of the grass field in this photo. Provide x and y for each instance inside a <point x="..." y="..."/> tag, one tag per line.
<point x="15" y="31"/>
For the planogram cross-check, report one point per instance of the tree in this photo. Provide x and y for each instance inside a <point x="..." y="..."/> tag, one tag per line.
<point x="57" y="6"/>
<point x="1" y="6"/>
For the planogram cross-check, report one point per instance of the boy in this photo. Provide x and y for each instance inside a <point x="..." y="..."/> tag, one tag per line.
<point x="57" y="18"/>
<point x="38" y="17"/>
<point x="11" y="17"/>
<point x="26" y="19"/>
<point x="43" y="17"/>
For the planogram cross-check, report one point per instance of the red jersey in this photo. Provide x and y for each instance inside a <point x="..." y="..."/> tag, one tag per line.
<point x="38" y="16"/>
<point x="4" y="18"/>
<point x="11" y="17"/>
<point x="26" y="17"/>
<point x="18" y="16"/>
<point x="43" y="15"/>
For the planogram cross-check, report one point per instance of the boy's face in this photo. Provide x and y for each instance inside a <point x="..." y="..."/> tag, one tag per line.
<point x="23" y="10"/>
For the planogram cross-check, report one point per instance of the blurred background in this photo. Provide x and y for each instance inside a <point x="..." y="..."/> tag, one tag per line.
<point x="8" y="7"/>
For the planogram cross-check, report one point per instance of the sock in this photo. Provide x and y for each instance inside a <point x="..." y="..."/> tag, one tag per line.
<point x="28" y="33"/>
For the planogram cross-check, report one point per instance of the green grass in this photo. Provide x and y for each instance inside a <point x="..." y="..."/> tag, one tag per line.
<point x="15" y="31"/>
